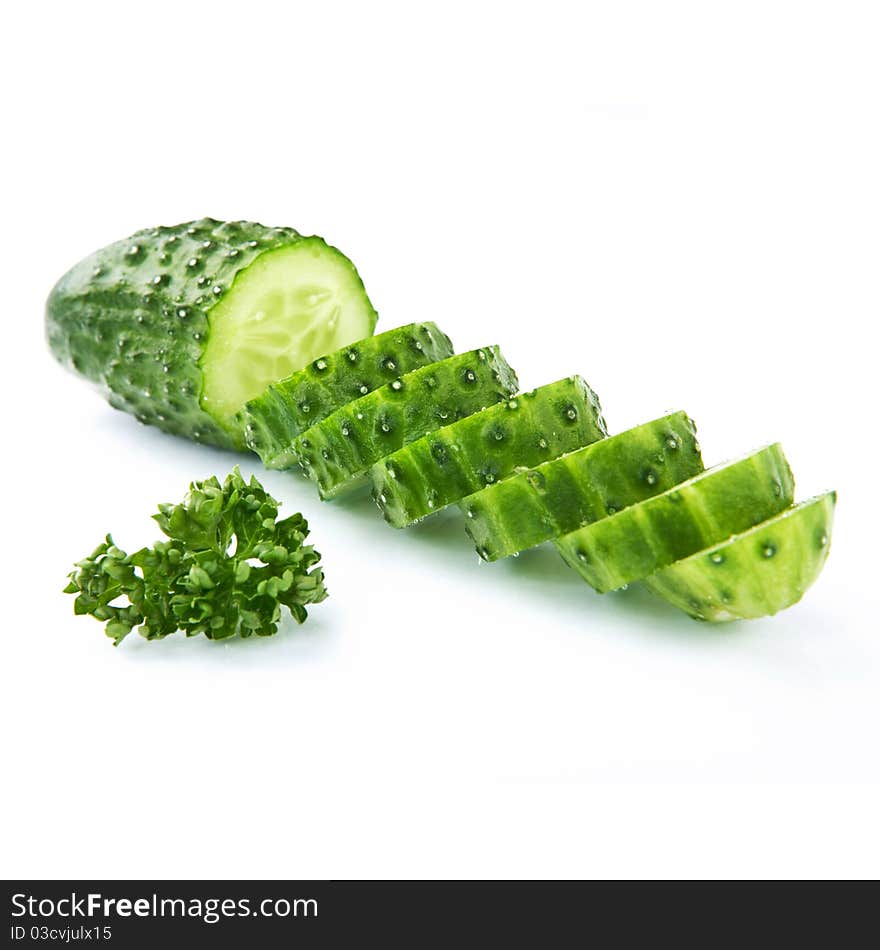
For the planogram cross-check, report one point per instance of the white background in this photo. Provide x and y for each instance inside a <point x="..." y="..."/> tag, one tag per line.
<point x="680" y="202"/>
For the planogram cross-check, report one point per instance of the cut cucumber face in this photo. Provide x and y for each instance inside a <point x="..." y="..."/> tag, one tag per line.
<point x="290" y="306"/>
<point x="180" y="325"/>
<point x="460" y="459"/>
<point x="581" y="487"/>
<point x="754" y="574"/>
<point x="287" y="408"/>
<point x="337" y="451"/>
<point x="704" y="511"/>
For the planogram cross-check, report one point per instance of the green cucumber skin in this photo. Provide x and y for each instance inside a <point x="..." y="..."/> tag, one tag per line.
<point x="272" y="421"/>
<point x="341" y="448"/>
<point x="459" y="460"/>
<point x="133" y="316"/>
<point x="581" y="487"/>
<point x="755" y="574"/>
<point x="646" y="537"/>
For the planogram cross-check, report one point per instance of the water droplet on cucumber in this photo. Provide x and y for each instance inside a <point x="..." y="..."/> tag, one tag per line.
<point x="537" y="480"/>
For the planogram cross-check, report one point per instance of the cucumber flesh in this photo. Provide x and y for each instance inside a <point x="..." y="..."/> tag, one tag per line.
<point x="701" y="512"/>
<point x="290" y="306"/>
<point x="460" y="459"/>
<point x="287" y="408"/>
<point x="340" y="449"/>
<point x="754" y="574"/>
<point x="583" y="486"/>
<point x="178" y="325"/>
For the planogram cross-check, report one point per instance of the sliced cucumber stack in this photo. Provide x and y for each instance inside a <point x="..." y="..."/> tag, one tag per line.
<point x="703" y="511"/>
<point x="180" y="326"/>
<point x="583" y="486"/>
<point x="287" y="408"/>
<point x="756" y="573"/>
<point x="460" y="459"/>
<point x="337" y="451"/>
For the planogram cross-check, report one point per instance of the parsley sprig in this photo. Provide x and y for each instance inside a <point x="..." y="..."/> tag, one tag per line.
<point x="227" y="569"/>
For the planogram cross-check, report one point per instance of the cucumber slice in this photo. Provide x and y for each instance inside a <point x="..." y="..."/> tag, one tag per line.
<point x="642" y="539"/>
<point x="287" y="408"/>
<point x="581" y="487"/>
<point x="460" y="459"/>
<point x="754" y="574"/>
<point x="337" y="451"/>
<point x="181" y="325"/>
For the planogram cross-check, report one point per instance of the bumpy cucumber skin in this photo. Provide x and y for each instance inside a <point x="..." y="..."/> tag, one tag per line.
<point x="133" y="317"/>
<point x="336" y="451"/>
<point x="755" y="574"/>
<point x="458" y="460"/>
<point x="644" y="538"/>
<point x="287" y="408"/>
<point x="581" y="487"/>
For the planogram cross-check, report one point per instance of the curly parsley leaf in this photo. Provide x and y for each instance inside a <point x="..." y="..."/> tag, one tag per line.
<point x="227" y="569"/>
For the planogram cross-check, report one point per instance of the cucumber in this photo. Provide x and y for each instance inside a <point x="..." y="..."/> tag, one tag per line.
<point x="460" y="459"/>
<point x="341" y="448"/>
<point x="581" y="487"/>
<point x="754" y="574"/>
<point x="701" y="512"/>
<point x="181" y="325"/>
<point x="274" y="419"/>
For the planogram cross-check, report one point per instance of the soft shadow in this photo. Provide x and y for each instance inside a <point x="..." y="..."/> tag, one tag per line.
<point x="444" y="529"/>
<point x="545" y="574"/>
<point x="301" y="643"/>
<point x="541" y="572"/>
<point x="639" y="602"/>
<point x="358" y="502"/>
